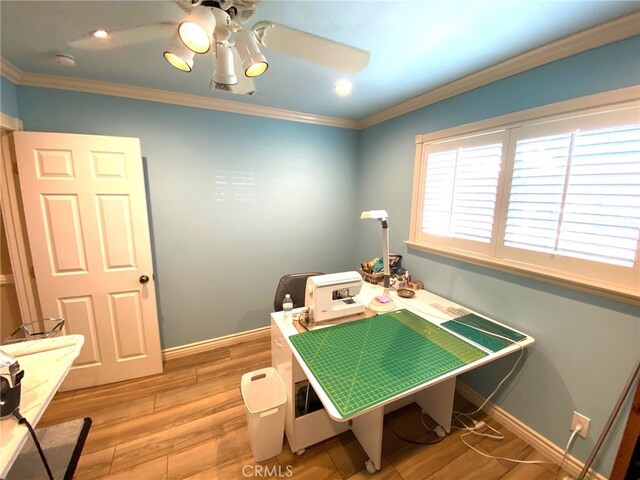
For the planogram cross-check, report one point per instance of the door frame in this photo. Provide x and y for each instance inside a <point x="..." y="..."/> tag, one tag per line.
<point x="17" y="241"/>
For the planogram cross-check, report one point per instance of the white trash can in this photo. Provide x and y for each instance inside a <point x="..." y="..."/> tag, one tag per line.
<point x="264" y="396"/>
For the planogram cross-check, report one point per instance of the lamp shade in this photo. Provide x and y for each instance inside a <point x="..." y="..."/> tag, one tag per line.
<point x="179" y="56"/>
<point x="253" y="61"/>
<point x="196" y="30"/>
<point x="374" y="214"/>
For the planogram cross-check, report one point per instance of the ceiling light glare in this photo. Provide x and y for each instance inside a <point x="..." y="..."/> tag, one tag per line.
<point x="343" y="87"/>
<point x="253" y="61"/>
<point x="197" y="29"/>
<point x="224" y="73"/>
<point x="102" y="34"/>
<point x="179" y="56"/>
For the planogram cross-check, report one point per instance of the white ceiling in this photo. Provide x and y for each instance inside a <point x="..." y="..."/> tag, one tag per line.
<point x="415" y="45"/>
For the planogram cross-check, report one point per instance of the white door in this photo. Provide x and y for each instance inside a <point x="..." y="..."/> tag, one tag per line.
<point x="85" y="207"/>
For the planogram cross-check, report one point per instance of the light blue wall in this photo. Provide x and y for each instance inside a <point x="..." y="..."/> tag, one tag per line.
<point x="217" y="263"/>
<point x="585" y="346"/>
<point x="8" y="98"/>
<point x="218" y="257"/>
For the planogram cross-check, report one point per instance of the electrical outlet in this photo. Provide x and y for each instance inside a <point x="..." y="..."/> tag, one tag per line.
<point x="581" y="420"/>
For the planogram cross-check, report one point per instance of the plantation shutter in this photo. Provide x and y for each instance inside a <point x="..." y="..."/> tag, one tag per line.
<point x="461" y="187"/>
<point x="577" y="194"/>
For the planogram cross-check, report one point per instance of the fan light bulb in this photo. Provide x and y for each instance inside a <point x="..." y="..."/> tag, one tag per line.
<point x="342" y="87"/>
<point x="194" y="37"/>
<point x="102" y="34"/>
<point x="179" y="56"/>
<point x="253" y="62"/>
<point x="256" y="69"/>
<point x="180" y="63"/>
<point x="197" y="29"/>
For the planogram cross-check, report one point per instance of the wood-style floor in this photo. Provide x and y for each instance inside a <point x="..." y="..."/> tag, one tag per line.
<point x="189" y="422"/>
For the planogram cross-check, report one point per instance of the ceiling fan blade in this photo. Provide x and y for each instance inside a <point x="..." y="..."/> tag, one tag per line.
<point x="123" y="38"/>
<point x="311" y="47"/>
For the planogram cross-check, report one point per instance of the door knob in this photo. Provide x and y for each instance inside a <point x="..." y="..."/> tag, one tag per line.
<point x="144" y="279"/>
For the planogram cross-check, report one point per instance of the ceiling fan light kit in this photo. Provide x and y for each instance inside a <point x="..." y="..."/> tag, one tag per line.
<point x="224" y="72"/>
<point x="220" y="27"/>
<point x="245" y="85"/>
<point x="253" y="61"/>
<point x="179" y="56"/>
<point x="222" y="30"/>
<point x="207" y="25"/>
<point x="197" y="29"/>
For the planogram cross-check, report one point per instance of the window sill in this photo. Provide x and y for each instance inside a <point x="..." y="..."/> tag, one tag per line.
<point x="612" y="292"/>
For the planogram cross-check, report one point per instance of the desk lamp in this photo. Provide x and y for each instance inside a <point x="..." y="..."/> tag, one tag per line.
<point x="376" y="304"/>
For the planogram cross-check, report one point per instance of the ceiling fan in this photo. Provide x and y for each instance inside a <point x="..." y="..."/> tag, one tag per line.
<point x="217" y="27"/>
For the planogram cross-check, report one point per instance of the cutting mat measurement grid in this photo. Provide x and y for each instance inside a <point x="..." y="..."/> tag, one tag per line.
<point x="361" y="363"/>
<point x="459" y="325"/>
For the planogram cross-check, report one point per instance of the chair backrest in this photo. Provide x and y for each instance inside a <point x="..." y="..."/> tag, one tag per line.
<point x="294" y="284"/>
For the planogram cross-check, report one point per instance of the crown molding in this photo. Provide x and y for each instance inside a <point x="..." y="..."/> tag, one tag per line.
<point x="609" y="32"/>
<point x="10" y="71"/>
<point x="615" y="30"/>
<point x="83" y="85"/>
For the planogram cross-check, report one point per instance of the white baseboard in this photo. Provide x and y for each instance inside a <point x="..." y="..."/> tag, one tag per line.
<point x="214" y="343"/>
<point x="525" y="433"/>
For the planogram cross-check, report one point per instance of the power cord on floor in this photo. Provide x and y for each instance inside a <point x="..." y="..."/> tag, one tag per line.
<point x="415" y="442"/>
<point x="25" y="422"/>
<point x="575" y="430"/>
<point x="478" y="426"/>
<point x="477" y="430"/>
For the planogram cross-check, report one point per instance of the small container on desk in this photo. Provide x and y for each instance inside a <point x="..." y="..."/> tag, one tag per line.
<point x="374" y="278"/>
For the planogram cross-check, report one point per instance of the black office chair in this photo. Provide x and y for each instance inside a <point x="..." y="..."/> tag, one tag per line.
<point x="294" y="284"/>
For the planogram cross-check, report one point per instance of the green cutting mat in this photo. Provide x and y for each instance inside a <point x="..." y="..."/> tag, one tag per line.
<point x="488" y="341"/>
<point x="361" y="363"/>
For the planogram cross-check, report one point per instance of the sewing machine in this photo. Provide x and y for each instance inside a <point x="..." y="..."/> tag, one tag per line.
<point x="331" y="296"/>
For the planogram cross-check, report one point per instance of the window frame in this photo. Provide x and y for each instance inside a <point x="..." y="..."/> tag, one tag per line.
<point x="618" y="283"/>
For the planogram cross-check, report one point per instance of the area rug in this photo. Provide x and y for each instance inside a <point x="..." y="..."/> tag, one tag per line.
<point x="62" y="445"/>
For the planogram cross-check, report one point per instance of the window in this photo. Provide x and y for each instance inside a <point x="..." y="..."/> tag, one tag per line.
<point x="556" y="197"/>
<point x="460" y="191"/>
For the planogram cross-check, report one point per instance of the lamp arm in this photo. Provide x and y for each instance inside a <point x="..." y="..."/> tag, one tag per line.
<point x="385" y="256"/>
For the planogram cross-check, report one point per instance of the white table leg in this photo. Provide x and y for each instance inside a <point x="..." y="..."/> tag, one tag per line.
<point x="368" y="430"/>
<point x="437" y="402"/>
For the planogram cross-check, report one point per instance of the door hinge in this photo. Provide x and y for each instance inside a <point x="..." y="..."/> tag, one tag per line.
<point x="32" y="272"/>
<point x="14" y="167"/>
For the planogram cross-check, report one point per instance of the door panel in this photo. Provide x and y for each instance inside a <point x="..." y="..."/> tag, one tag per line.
<point x="85" y="209"/>
<point x="108" y="165"/>
<point x="126" y="318"/>
<point x="80" y="319"/>
<point x="54" y="165"/>
<point x="64" y="234"/>
<point x="116" y="233"/>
